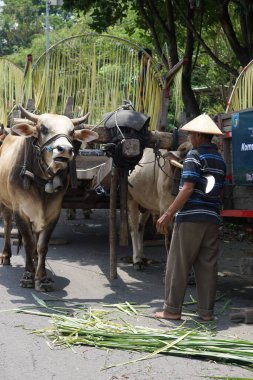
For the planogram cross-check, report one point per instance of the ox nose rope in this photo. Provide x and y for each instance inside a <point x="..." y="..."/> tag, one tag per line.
<point x="49" y="148"/>
<point x="48" y="144"/>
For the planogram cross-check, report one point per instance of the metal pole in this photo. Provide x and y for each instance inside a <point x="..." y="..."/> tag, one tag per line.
<point x="47" y="23"/>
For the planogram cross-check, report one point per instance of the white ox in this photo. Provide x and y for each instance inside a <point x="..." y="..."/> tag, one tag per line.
<point x="34" y="175"/>
<point x="150" y="192"/>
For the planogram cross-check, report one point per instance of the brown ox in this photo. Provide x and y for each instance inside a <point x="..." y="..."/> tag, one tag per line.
<point x="34" y="178"/>
<point x="150" y="191"/>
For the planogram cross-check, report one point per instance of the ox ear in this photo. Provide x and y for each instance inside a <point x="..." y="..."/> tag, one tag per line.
<point x="176" y="155"/>
<point x="23" y="129"/>
<point x="85" y="135"/>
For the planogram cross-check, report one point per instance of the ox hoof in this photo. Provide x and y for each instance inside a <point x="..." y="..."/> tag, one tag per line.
<point x="140" y="265"/>
<point x="5" y="260"/>
<point x="44" y="285"/>
<point x="27" y="280"/>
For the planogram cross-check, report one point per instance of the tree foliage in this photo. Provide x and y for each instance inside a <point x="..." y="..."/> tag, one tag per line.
<point x="215" y="36"/>
<point x="190" y="28"/>
<point x="22" y="20"/>
<point x="22" y="28"/>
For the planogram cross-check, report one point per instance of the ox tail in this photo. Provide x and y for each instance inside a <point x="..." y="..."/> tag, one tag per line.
<point x="20" y="242"/>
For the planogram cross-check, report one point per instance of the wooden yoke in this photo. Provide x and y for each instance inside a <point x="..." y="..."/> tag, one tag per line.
<point x="161" y="140"/>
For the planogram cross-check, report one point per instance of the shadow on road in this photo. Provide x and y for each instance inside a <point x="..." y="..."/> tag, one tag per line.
<point x="78" y="262"/>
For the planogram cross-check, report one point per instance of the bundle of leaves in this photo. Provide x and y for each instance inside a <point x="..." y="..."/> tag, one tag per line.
<point x="93" y="328"/>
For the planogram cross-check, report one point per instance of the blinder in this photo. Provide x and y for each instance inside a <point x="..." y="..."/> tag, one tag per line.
<point x="128" y="130"/>
<point x="47" y="146"/>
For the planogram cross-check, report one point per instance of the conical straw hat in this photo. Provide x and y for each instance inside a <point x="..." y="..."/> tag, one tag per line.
<point x="202" y="124"/>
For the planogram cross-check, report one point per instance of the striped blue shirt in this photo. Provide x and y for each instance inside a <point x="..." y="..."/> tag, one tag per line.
<point x="201" y="206"/>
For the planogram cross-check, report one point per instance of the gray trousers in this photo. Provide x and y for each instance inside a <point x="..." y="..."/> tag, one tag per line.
<point x="192" y="245"/>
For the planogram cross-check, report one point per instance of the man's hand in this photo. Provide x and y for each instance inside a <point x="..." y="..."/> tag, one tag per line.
<point x="163" y="222"/>
<point x="182" y="197"/>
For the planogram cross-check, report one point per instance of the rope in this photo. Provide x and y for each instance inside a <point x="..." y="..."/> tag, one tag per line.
<point x="158" y="158"/>
<point x="94" y="167"/>
<point x="116" y="123"/>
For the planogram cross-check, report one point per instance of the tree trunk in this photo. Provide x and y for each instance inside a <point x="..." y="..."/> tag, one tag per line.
<point x="241" y="52"/>
<point x="191" y="105"/>
<point x="190" y="102"/>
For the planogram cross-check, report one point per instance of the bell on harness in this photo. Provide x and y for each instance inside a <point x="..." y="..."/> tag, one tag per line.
<point x="127" y="129"/>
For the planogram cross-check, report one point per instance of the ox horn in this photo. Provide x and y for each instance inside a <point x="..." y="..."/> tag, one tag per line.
<point x="80" y="120"/>
<point x="176" y="163"/>
<point x="29" y="115"/>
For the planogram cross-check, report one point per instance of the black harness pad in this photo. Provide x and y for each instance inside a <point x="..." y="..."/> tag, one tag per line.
<point x="126" y="118"/>
<point x="128" y="130"/>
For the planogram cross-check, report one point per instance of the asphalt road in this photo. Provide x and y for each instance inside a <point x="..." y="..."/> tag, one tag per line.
<point x="79" y="265"/>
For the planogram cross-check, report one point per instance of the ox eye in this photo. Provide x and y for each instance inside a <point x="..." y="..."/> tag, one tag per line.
<point x="44" y="129"/>
<point x="71" y="133"/>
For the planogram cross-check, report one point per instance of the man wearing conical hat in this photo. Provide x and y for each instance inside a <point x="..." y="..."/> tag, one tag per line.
<point x="195" y="235"/>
